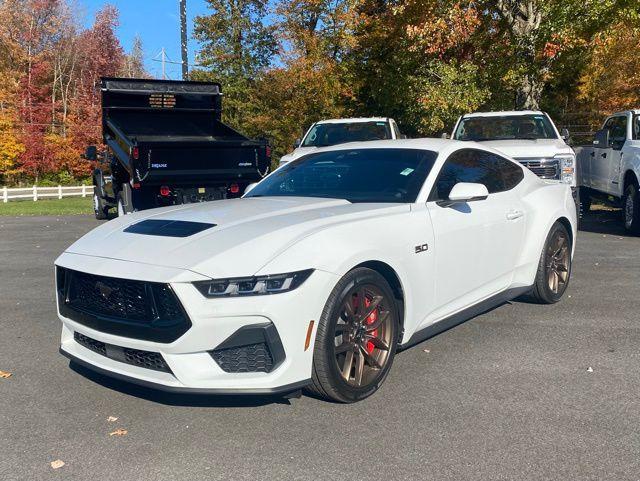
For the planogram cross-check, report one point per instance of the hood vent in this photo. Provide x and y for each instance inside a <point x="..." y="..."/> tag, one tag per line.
<point x="168" y="228"/>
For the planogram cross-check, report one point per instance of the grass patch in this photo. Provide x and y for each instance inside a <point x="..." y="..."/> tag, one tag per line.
<point x="68" y="206"/>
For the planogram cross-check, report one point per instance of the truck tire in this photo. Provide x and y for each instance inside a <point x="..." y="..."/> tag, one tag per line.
<point x="100" y="207"/>
<point x="631" y="209"/>
<point x="584" y="200"/>
<point x="124" y="200"/>
<point x="554" y="267"/>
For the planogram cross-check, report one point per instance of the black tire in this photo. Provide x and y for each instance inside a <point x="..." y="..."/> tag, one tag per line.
<point x="584" y="200"/>
<point x="100" y="207"/>
<point x="543" y="291"/>
<point x="327" y="380"/>
<point x="123" y="201"/>
<point x="631" y="209"/>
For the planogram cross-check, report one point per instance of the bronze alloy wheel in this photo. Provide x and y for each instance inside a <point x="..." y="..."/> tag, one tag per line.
<point x="363" y="335"/>
<point x="557" y="262"/>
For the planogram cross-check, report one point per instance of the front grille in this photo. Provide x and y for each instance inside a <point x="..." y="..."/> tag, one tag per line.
<point x="108" y="296"/>
<point x="249" y="358"/>
<point x="543" y="168"/>
<point x="135" y="357"/>
<point x="125" y="307"/>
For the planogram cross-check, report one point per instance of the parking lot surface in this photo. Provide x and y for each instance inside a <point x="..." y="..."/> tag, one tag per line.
<point x="521" y="392"/>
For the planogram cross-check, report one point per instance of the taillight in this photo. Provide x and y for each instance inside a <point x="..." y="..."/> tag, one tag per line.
<point x="234" y="188"/>
<point x="135" y="153"/>
<point x="165" y="191"/>
<point x="268" y="151"/>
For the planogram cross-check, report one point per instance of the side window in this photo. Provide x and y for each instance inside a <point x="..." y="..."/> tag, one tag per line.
<point x="636" y="127"/>
<point x="618" y="132"/>
<point x="396" y="131"/>
<point x="511" y="173"/>
<point x="469" y="165"/>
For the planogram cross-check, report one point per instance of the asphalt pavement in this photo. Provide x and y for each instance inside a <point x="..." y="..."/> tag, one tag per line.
<point x="521" y="392"/>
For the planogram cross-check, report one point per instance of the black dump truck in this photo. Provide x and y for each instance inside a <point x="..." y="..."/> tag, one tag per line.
<point x="166" y="145"/>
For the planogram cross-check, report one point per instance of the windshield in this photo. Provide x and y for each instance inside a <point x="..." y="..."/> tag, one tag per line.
<point x="530" y="127"/>
<point x="322" y="135"/>
<point x="356" y="175"/>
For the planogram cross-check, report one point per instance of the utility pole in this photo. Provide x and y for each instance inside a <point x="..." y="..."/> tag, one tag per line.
<point x="183" y="39"/>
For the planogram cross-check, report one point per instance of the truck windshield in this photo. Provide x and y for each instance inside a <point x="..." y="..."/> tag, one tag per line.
<point x="506" y="127"/>
<point x="356" y="175"/>
<point x="322" y="135"/>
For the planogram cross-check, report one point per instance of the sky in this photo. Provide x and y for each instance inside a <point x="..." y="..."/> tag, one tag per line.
<point x="157" y="22"/>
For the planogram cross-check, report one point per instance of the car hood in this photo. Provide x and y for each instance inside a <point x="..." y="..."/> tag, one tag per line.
<point x="520" y="148"/>
<point x="247" y="233"/>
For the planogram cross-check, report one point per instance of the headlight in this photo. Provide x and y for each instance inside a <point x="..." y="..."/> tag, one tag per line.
<point x="567" y="168"/>
<point x="252" y="286"/>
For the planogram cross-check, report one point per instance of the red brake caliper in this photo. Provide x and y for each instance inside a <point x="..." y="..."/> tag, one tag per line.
<point x="373" y="317"/>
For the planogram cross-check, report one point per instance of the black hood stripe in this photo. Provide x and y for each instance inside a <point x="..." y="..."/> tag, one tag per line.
<point x="168" y="228"/>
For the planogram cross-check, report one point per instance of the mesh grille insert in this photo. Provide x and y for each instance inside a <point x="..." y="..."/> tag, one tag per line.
<point x="250" y="358"/>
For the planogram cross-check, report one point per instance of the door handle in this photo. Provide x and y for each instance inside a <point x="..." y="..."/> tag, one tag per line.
<point x="592" y="154"/>
<point x="514" y="214"/>
<point x="603" y="155"/>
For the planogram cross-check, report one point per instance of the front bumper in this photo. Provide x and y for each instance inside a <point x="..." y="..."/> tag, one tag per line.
<point x="192" y="367"/>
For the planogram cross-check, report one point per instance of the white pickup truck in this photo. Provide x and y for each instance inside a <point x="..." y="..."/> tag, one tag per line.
<point x="528" y="136"/>
<point x="340" y="131"/>
<point x="610" y="167"/>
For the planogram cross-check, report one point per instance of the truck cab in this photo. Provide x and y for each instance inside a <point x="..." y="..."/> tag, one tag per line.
<point x="528" y="136"/>
<point x="610" y="166"/>
<point x="339" y="131"/>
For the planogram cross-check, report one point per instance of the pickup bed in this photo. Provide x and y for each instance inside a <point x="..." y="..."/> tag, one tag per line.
<point x="166" y="144"/>
<point x="610" y="166"/>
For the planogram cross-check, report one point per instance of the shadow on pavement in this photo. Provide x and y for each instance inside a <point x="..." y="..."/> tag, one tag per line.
<point x="172" y="399"/>
<point x="603" y="221"/>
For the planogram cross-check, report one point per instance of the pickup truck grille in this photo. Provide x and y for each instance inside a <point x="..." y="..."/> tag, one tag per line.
<point x="543" y="168"/>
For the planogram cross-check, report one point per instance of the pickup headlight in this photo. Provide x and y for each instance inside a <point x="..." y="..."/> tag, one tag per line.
<point x="567" y="168"/>
<point x="252" y="286"/>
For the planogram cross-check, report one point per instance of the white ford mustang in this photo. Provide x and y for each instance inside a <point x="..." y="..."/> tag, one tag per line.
<point x="319" y="274"/>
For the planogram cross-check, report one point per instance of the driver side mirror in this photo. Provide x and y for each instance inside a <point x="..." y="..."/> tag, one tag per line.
<point x="564" y="133"/>
<point x="91" y="153"/>
<point x="297" y="143"/>
<point x="601" y="139"/>
<point x="249" y="188"/>
<point x="444" y="135"/>
<point x="465" y="192"/>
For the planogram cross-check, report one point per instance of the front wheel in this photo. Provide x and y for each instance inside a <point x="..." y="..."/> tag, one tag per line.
<point x="554" y="267"/>
<point x="356" y="339"/>
<point x="631" y="209"/>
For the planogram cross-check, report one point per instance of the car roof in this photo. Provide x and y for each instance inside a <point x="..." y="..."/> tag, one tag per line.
<point x="354" y="120"/>
<point x="504" y="113"/>
<point x="433" y="144"/>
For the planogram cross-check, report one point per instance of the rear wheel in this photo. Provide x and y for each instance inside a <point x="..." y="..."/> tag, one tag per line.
<point x="554" y="267"/>
<point x="631" y="209"/>
<point x="356" y="339"/>
<point x="100" y="207"/>
<point x="123" y="201"/>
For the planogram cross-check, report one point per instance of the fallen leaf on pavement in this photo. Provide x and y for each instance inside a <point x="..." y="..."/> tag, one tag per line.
<point x="118" y="432"/>
<point x="58" y="463"/>
<point x="5" y="374"/>
<point x="112" y="419"/>
<point x="426" y="350"/>
<point x="589" y="369"/>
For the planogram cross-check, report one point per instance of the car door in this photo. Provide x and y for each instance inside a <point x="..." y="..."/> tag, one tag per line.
<point x="476" y="243"/>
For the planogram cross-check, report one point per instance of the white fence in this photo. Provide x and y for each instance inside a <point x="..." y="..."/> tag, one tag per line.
<point x="34" y="193"/>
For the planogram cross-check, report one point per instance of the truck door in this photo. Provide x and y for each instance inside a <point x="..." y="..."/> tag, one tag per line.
<point x="605" y="164"/>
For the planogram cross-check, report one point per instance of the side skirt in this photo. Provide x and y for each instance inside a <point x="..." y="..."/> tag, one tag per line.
<point x="462" y="316"/>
